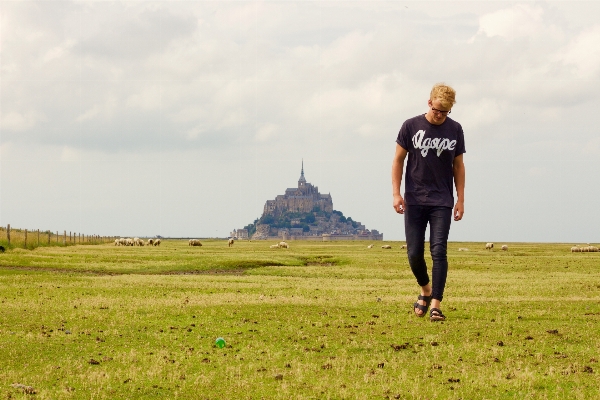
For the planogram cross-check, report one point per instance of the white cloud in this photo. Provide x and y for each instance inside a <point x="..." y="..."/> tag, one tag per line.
<point x="266" y="132"/>
<point x="583" y="53"/>
<point x="105" y="110"/>
<point x="521" y="20"/>
<point x="20" y="121"/>
<point x="69" y="154"/>
<point x="59" y="51"/>
<point x="482" y="113"/>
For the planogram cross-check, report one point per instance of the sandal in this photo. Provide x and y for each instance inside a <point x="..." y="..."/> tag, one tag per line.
<point x="436" y="315"/>
<point x="421" y="307"/>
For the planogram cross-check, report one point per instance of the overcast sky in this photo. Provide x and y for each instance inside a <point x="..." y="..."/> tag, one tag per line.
<point x="182" y="118"/>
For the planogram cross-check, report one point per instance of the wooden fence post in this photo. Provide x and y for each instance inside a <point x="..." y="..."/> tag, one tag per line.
<point x="49" y="234"/>
<point x="8" y="234"/>
<point x="25" y="244"/>
<point x="56" y="236"/>
<point x="38" y="238"/>
<point x="65" y="238"/>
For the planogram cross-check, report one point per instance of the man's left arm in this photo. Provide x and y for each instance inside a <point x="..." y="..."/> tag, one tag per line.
<point x="458" y="169"/>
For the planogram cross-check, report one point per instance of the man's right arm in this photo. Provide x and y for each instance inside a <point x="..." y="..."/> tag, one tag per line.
<point x="397" y="170"/>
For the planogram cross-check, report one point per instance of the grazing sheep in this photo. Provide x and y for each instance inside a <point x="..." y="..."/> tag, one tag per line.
<point x="504" y="247"/>
<point x="157" y="242"/>
<point x="370" y="246"/>
<point x="489" y="246"/>
<point x="142" y="243"/>
<point x="129" y="242"/>
<point x="386" y="246"/>
<point x="150" y="242"/>
<point x="117" y="243"/>
<point x="194" y="242"/>
<point x="284" y="245"/>
<point x="575" y="249"/>
<point x="403" y="247"/>
<point x="585" y="249"/>
<point x="274" y="246"/>
<point x="230" y="242"/>
<point x="593" y="249"/>
<point x="463" y="249"/>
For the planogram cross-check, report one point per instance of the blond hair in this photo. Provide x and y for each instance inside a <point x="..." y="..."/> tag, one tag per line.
<point x="444" y="93"/>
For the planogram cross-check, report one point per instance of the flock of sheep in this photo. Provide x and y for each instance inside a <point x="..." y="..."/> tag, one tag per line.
<point x="584" y="249"/>
<point x="490" y="246"/>
<point x="136" y="242"/>
<point x="284" y="245"/>
<point x="280" y="245"/>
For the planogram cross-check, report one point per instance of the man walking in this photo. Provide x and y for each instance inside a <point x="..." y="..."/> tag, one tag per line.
<point x="435" y="146"/>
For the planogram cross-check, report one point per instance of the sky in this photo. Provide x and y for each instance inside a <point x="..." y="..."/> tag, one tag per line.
<point x="181" y="118"/>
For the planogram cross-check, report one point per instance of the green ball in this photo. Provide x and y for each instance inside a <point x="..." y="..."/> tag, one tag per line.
<point x="220" y="342"/>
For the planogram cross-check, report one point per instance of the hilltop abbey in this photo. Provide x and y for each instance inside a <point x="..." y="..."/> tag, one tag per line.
<point x="304" y="198"/>
<point x="302" y="213"/>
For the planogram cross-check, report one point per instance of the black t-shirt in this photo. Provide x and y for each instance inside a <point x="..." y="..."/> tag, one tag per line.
<point x="431" y="152"/>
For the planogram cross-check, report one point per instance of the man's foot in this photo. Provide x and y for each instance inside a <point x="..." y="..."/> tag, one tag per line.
<point x="422" y="305"/>
<point x="436" y="315"/>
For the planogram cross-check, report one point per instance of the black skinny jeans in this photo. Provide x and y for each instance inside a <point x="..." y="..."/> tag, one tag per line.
<point x="416" y="219"/>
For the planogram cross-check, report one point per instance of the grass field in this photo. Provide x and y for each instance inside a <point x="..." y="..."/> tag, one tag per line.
<point x="316" y="321"/>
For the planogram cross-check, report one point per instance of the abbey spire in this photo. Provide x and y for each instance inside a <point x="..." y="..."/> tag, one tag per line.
<point x="302" y="180"/>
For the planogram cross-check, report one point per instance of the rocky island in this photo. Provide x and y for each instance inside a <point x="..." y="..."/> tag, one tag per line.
<point x="302" y="213"/>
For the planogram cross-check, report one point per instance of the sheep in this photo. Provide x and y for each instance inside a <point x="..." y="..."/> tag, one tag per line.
<point x="489" y="246"/>
<point x="585" y="249"/>
<point x="594" y="249"/>
<point x="274" y="246"/>
<point x="194" y="242"/>
<point x="504" y="247"/>
<point x="463" y="249"/>
<point x="157" y="242"/>
<point x="136" y="241"/>
<point x="403" y="247"/>
<point x="150" y="242"/>
<point x="284" y="245"/>
<point x="230" y="242"/>
<point x="117" y="243"/>
<point x="575" y="249"/>
<point x="386" y="246"/>
<point x="141" y="243"/>
<point x="370" y="246"/>
<point x="129" y="242"/>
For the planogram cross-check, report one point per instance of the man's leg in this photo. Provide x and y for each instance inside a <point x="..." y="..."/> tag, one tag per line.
<point x="439" y="228"/>
<point x="415" y="224"/>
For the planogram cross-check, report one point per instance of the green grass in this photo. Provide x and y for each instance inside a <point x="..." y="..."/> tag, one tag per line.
<point x="318" y="320"/>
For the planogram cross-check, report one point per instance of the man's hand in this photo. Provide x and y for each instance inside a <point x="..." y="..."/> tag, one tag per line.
<point x="459" y="210"/>
<point x="399" y="204"/>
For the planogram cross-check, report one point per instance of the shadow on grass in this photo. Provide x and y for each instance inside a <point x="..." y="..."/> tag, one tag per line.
<point x="222" y="267"/>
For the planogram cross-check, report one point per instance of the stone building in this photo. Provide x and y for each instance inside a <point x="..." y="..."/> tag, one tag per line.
<point x="239" y="233"/>
<point x="304" y="198"/>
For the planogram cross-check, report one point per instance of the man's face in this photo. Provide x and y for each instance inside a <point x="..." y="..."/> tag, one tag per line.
<point x="437" y="112"/>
